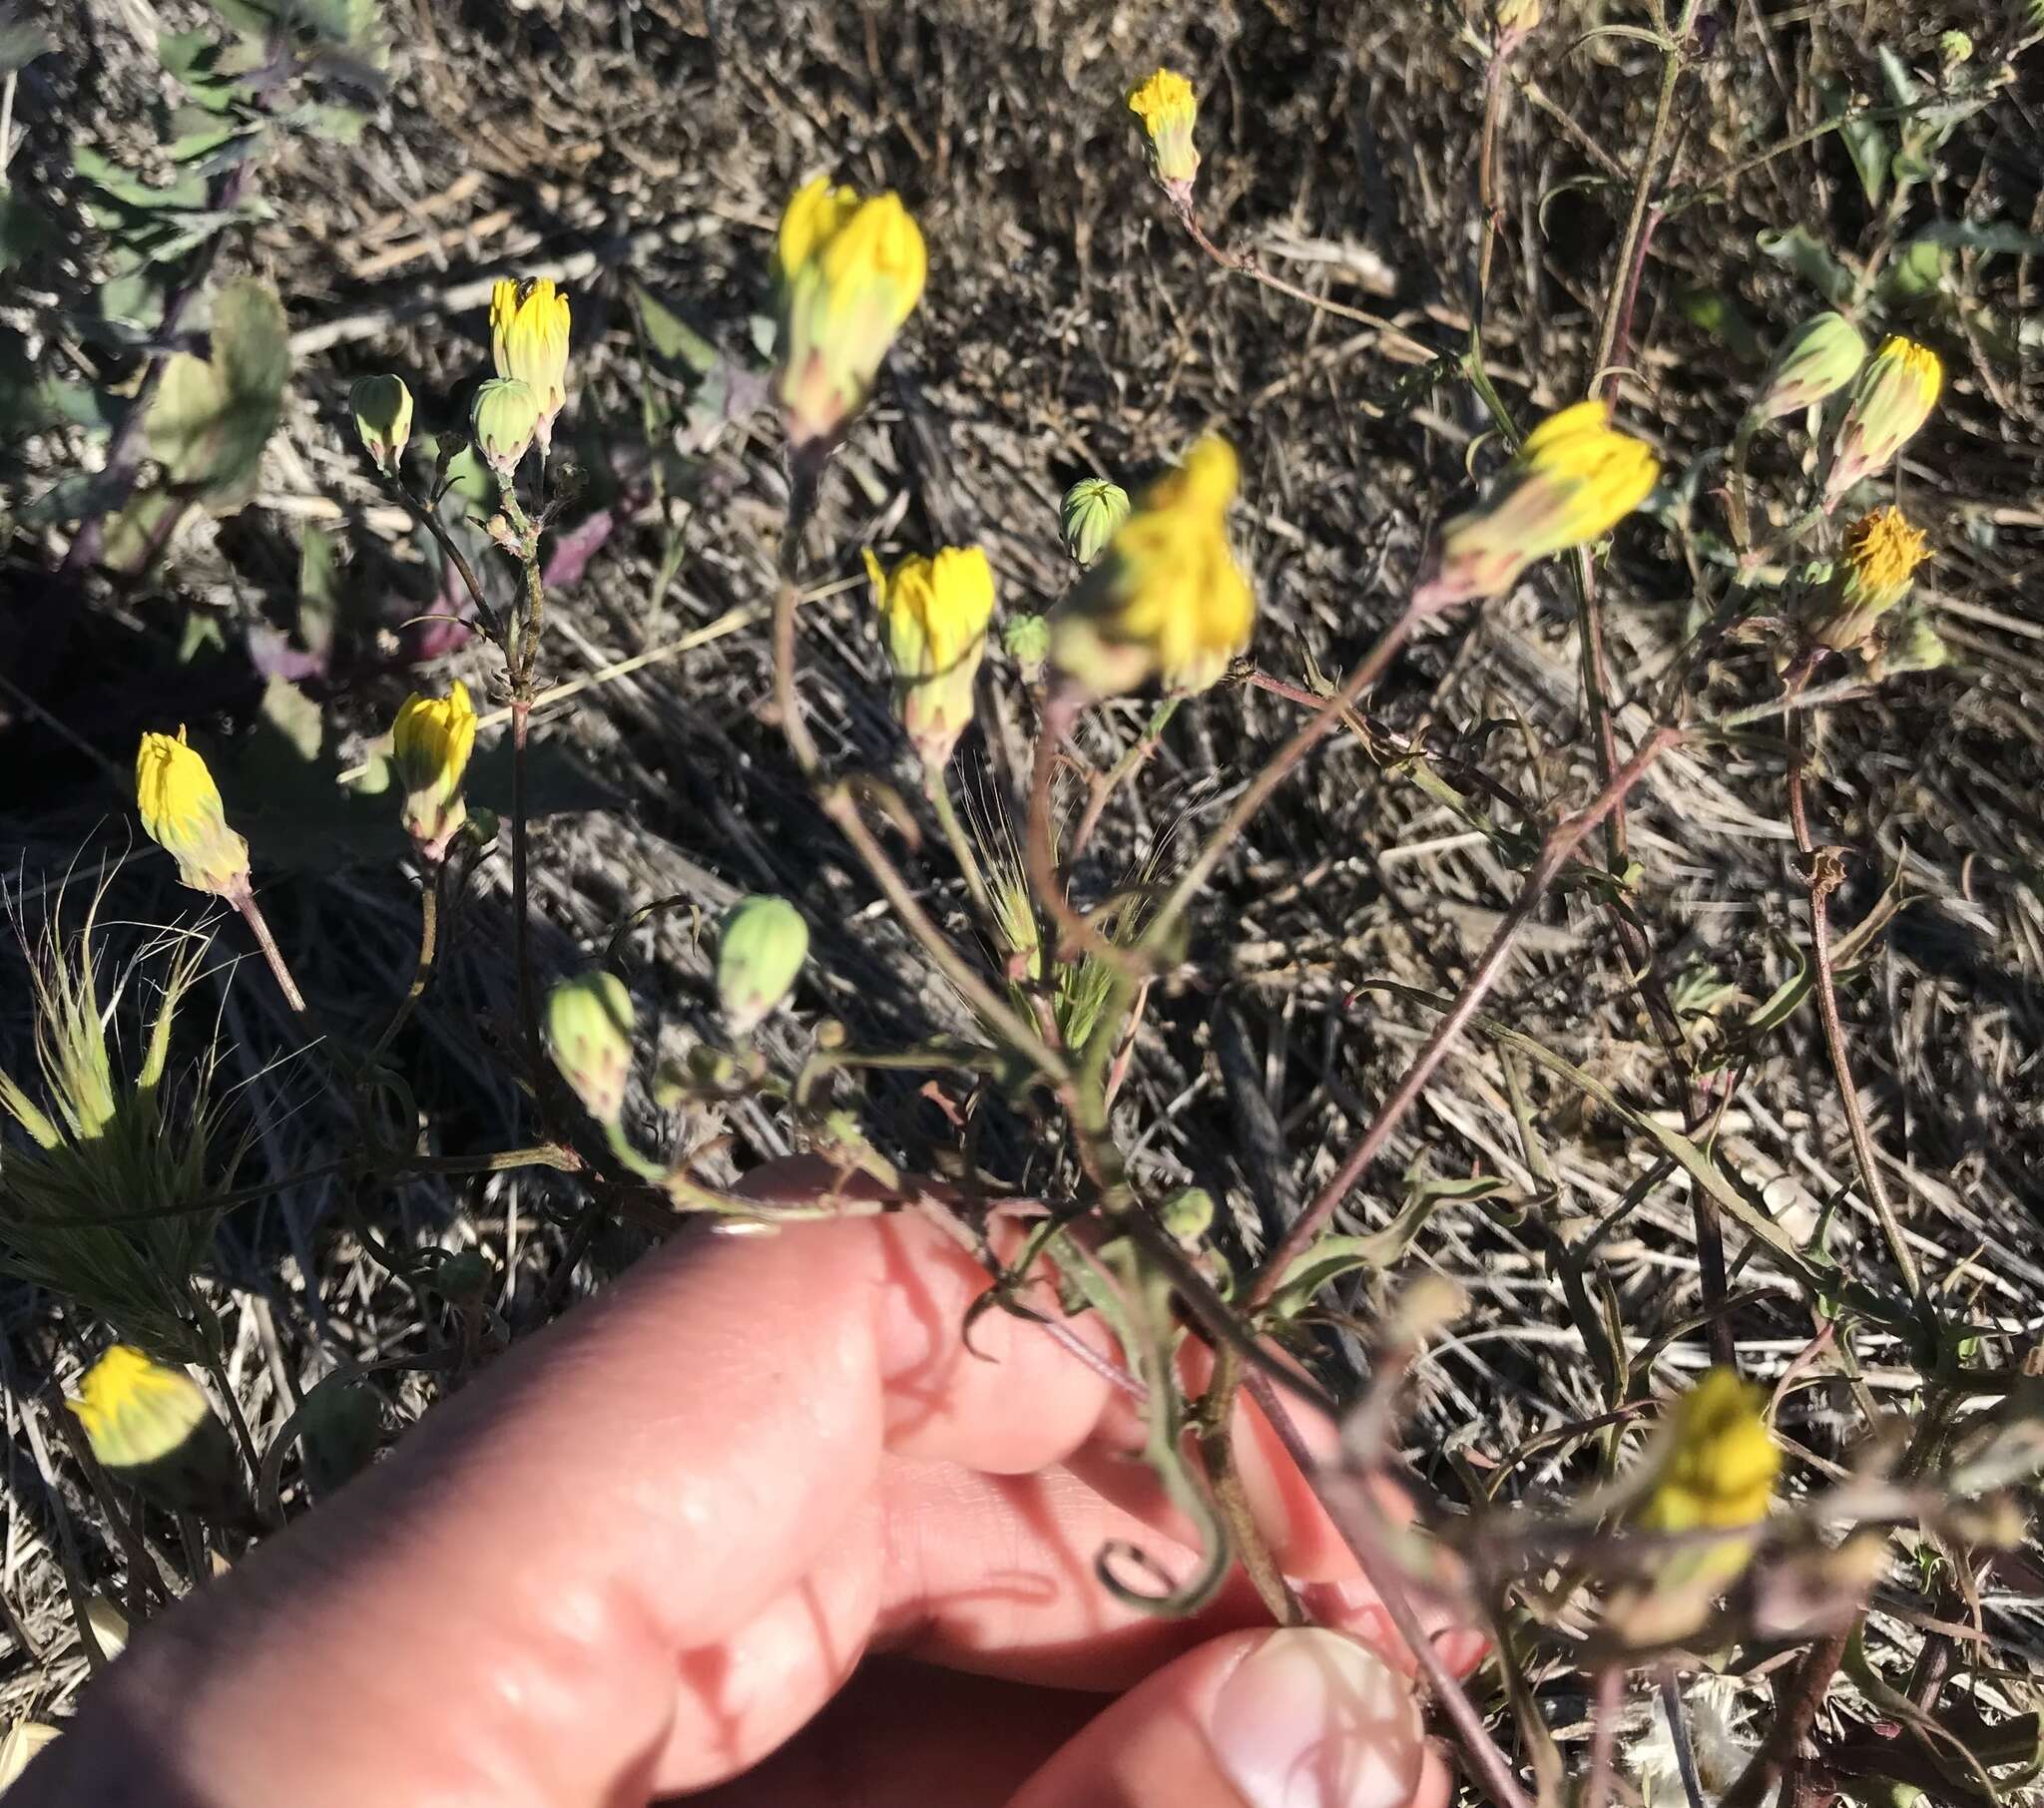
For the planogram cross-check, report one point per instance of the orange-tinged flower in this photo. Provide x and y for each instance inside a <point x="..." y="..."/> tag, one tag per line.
<point x="529" y="341"/>
<point x="182" y="811"/>
<point x="1574" y="478"/>
<point x="1168" y="599"/>
<point x="429" y="745"/>
<point x="1168" y="110"/>
<point x="1895" y="397"/>
<point x="850" y="273"/>
<point x="933" y="616"/>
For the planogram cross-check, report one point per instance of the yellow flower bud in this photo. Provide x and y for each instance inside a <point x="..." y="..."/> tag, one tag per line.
<point x="759" y="953"/>
<point x="1091" y="515"/>
<point x="529" y="341"/>
<point x="1169" y="111"/>
<point x="1574" y="478"/>
<point x="1894" y="397"/>
<point x="429" y="745"/>
<point x="150" y="1425"/>
<point x="382" y="411"/>
<point x="933" y="616"/>
<point x="1515" y="18"/>
<point x="183" y="814"/>
<point x="505" y="418"/>
<point x="1872" y="573"/>
<point x="1719" y="1461"/>
<point x="850" y="272"/>
<point x="589" y="1034"/>
<point x="1817" y="359"/>
<point x="1168" y="599"/>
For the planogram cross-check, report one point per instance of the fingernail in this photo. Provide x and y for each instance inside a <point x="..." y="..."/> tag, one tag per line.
<point x="1311" y="1719"/>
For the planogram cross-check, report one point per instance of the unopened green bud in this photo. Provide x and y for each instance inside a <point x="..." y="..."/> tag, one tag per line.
<point x="1187" y="1215"/>
<point x="1091" y="515"/>
<point x="1954" y="48"/>
<point x="505" y="420"/>
<point x="1817" y="359"/>
<point x="340" y="1425"/>
<point x="151" y="1426"/>
<point x="1027" y="640"/>
<point x="589" y="1034"/>
<point x="760" y="951"/>
<point x="382" y="410"/>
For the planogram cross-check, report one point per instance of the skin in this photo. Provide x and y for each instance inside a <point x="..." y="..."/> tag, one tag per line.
<point x="753" y="1523"/>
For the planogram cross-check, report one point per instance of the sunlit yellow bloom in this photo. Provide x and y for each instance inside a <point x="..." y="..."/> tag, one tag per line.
<point x="529" y="341"/>
<point x="1169" y="600"/>
<point x="1574" y="478"/>
<point x="850" y="273"/>
<point x="1872" y="573"/>
<point x="933" y="616"/>
<point x="1816" y="360"/>
<point x="1168" y="110"/>
<point x="429" y="745"/>
<point x="1894" y="397"/>
<point x="183" y="813"/>
<point x="504" y="421"/>
<point x="135" y="1409"/>
<point x="1719" y="1463"/>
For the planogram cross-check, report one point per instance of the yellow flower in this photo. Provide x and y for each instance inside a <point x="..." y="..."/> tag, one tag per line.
<point x="1719" y="1462"/>
<point x="1894" y="397"/>
<point x="183" y="814"/>
<point x="850" y="273"/>
<point x="135" y="1409"/>
<point x="1168" y="110"/>
<point x="1574" y="478"/>
<point x="1872" y="573"/>
<point x="529" y="341"/>
<point x="933" y="616"/>
<point x="429" y="745"/>
<point x="1169" y="600"/>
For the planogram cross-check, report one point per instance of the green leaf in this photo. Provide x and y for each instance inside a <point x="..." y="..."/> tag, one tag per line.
<point x="1866" y="142"/>
<point x="294" y="715"/>
<point x="212" y="417"/>
<point x="1916" y="276"/>
<point x="1812" y="261"/>
<point x="318" y="589"/>
<point x="1714" y="313"/>
<point x="676" y="346"/>
<point x="116" y="185"/>
<point x="1331" y="1257"/>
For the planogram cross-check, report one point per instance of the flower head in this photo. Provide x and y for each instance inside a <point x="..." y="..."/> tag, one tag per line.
<point x="1719" y="1460"/>
<point x="149" y="1424"/>
<point x="382" y="409"/>
<point x="589" y="1034"/>
<point x="1169" y="109"/>
<point x="1872" y="573"/>
<point x="429" y="745"/>
<point x="850" y="272"/>
<point x="1895" y="397"/>
<point x="1168" y="599"/>
<point x="1817" y="359"/>
<point x="504" y="420"/>
<point x="760" y="948"/>
<point x="1574" y="478"/>
<point x="933" y="616"/>
<point x="1090" y="516"/>
<point x="183" y="814"/>
<point x="529" y="341"/>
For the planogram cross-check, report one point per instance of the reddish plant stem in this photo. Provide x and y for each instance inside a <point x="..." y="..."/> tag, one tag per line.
<point x="521" y="948"/>
<point x="1796" y="1705"/>
<point x="1561" y="842"/>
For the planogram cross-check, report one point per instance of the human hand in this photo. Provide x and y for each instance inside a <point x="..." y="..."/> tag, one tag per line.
<point x="754" y="1523"/>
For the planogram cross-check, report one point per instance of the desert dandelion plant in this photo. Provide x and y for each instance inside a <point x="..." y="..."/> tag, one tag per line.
<point x="1892" y="402"/>
<point x="849" y="273"/>
<point x="149" y="1424"/>
<point x="529" y="342"/>
<point x="429" y="746"/>
<point x="1168" y="598"/>
<point x="1871" y="574"/>
<point x="933" y="617"/>
<point x="182" y="811"/>
<point x="1168" y="110"/>
<point x="1574" y="478"/>
<point x="1719" y="1461"/>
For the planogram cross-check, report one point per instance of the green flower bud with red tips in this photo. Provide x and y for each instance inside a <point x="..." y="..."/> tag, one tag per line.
<point x="589" y="1034"/>
<point x="1816" y="360"/>
<point x="760" y="954"/>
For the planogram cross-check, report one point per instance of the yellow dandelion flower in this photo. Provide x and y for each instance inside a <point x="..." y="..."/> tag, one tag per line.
<point x="1168" y="110"/>
<point x="133" y="1409"/>
<point x="850" y="273"/>
<point x="1894" y="397"/>
<point x="529" y="342"/>
<point x="1168" y="599"/>
<point x="1574" y="478"/>
<point x="1872" y="573"/>
<point x="429" y="746"/>
<point x="182" y="811"/>
<point x="933" y="616"/>
<point x="1719" y="1463"/>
